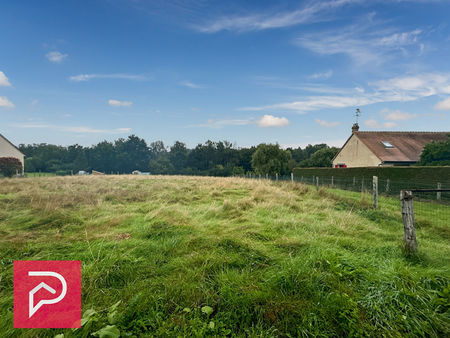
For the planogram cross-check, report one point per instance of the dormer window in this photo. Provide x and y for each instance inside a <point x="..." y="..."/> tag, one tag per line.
<point x="387" y="144"/>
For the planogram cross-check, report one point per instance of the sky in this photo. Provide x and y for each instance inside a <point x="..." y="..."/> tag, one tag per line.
<point x="250" y="72"/>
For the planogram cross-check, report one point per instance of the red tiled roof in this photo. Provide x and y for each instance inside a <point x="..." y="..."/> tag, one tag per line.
<point x="407" y="145"/>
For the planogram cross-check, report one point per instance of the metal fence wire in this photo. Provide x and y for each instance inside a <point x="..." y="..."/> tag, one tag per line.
<point x="386" y="187"/>
<point x="430" y="199"/>
<point x="432" y="208"/>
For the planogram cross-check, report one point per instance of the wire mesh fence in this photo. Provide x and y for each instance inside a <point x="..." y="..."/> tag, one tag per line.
<point x="432" y="208"/>
<point x="431" y="198"/>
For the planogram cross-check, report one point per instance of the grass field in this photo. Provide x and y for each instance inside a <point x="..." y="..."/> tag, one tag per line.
<point x="184" y="256"/>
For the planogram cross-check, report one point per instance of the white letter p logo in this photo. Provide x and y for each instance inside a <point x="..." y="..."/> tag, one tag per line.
<point x="32" y="308"/>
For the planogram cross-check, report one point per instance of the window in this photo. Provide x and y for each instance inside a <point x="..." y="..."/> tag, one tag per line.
<point x="387" y="144"/>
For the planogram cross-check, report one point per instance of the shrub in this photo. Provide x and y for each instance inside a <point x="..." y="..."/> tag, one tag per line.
<point x="10" y="166"/>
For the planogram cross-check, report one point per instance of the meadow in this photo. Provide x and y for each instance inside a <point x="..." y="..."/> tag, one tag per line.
<point x="201" y="256"/>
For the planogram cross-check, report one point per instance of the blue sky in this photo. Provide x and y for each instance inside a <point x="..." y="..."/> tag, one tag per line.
<point x="245" y="71"/>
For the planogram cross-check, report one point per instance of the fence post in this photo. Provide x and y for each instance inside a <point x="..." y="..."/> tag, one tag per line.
<point x="362" y="185"/>
<point x="292" y="177"/>
<point x="267" y="176"/>
<point x="354" y="181"/>
<point x="409" y="237"/>
<point x="387" y="185"/>
<point x="314" y="179"/>
<point x="375" y="191"/>
<point x="276" y="177"/>
<point x="317" y="183"/>
<point x="438" y="194"/>
<point x="332" y="181"/>
<point x="259" y="176"/>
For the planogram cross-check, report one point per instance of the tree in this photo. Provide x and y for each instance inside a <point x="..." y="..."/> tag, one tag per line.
<point x="270" y="159"/>
<point x="238" y="171"/>
<point x="132" y="154"/>
<point x="436" y="153"/>
<point x="9" y="166"/>
<point x="178" y="156"/>
<point x="321" y="158"/>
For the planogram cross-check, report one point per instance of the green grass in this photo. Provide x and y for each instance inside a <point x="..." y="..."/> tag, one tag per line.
<point x="39" y="174"/>
<point x="227" y="257"/>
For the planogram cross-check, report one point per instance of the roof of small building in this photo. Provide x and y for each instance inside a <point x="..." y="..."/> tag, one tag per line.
<point x="399" y="146"/>
<point x="3" y="137"/>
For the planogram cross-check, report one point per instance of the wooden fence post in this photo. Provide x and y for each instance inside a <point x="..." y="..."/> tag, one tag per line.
<point x="292" y="177"/>
<point x="276" y="177"/>
<point x="267" y="176"/>
<point x="408" y="221"/>
<point x="259" y="176"/>
<point x="317" y="183"/>
<point x="354" y="181"/>
<point x="332" y="181"/>
<point x="375" y="191"/>
<point x="387" y="185"/>
<point x="438" y="194"/>
<point x="314" y="179"/>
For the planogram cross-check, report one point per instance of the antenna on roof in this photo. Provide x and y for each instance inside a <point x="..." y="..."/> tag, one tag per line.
<point x="357" y="115"/>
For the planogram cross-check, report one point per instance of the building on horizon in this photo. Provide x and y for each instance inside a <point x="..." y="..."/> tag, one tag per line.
<point x="384" y="148"/>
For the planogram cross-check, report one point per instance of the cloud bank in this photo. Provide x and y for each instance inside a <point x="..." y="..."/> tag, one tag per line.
<point x="74" y="129"/>
<point x="56" y="57"/>
<point x="4" y="80"/>
<point x="117" y="103"/>
<point x="87" y="77"/>
<point x="5" y="103"/>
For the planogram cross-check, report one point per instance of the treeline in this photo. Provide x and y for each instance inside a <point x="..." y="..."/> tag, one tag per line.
<point x="210" y="158"/>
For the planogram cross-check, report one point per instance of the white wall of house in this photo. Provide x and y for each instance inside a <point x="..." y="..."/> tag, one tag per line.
<point x="356" y="154"/>
<point x="7" y="150"/>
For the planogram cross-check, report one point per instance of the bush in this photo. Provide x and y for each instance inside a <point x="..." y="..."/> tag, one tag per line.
<point x="9" y="166"/>
<point x="436" y="154"/>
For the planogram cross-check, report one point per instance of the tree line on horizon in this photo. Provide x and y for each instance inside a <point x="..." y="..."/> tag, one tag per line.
<point x="220" y="158"/>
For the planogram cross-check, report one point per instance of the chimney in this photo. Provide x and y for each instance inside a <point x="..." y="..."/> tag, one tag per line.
<point x="355" y="128"/>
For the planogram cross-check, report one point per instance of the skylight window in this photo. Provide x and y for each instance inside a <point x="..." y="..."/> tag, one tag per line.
<point x="387" y="144"/>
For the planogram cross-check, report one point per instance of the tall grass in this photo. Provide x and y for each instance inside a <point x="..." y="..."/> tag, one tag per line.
<point x="205" y="256"/>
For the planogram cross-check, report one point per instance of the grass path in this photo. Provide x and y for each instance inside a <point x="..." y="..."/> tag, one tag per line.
<point x="189" y="256"/>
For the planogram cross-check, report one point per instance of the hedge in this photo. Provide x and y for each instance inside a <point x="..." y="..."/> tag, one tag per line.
<point x="399" y="177"/>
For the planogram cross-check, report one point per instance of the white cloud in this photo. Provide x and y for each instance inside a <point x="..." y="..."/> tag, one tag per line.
<point x="55" y="57"/>
<point x="374" y="124"/>
<point x="397" y="115"/>
<point x="5" y="103"/>
<point x="327" y="124"/>
<point x="263" y="122"/>
<point x="443" y="105"/>
<point x="255" y="22"/>
<point x="211" y="123"/>
<point x="364" y="42"/>
<point x="4" y="80"/>
<point x="324" y="75"/>
<point x="398" y="89"/>
<point x="190" y="84"/>
<point x="315" y="102"/>
<point x="117" y="103"/>
<point x="74" y="129"/>
<point x="87" y="77"/>
<point x="272" y="121"/>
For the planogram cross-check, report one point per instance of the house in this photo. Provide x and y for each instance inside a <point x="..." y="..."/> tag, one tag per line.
<point x="384" y="148"/>
<point x="7" y="149"/>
